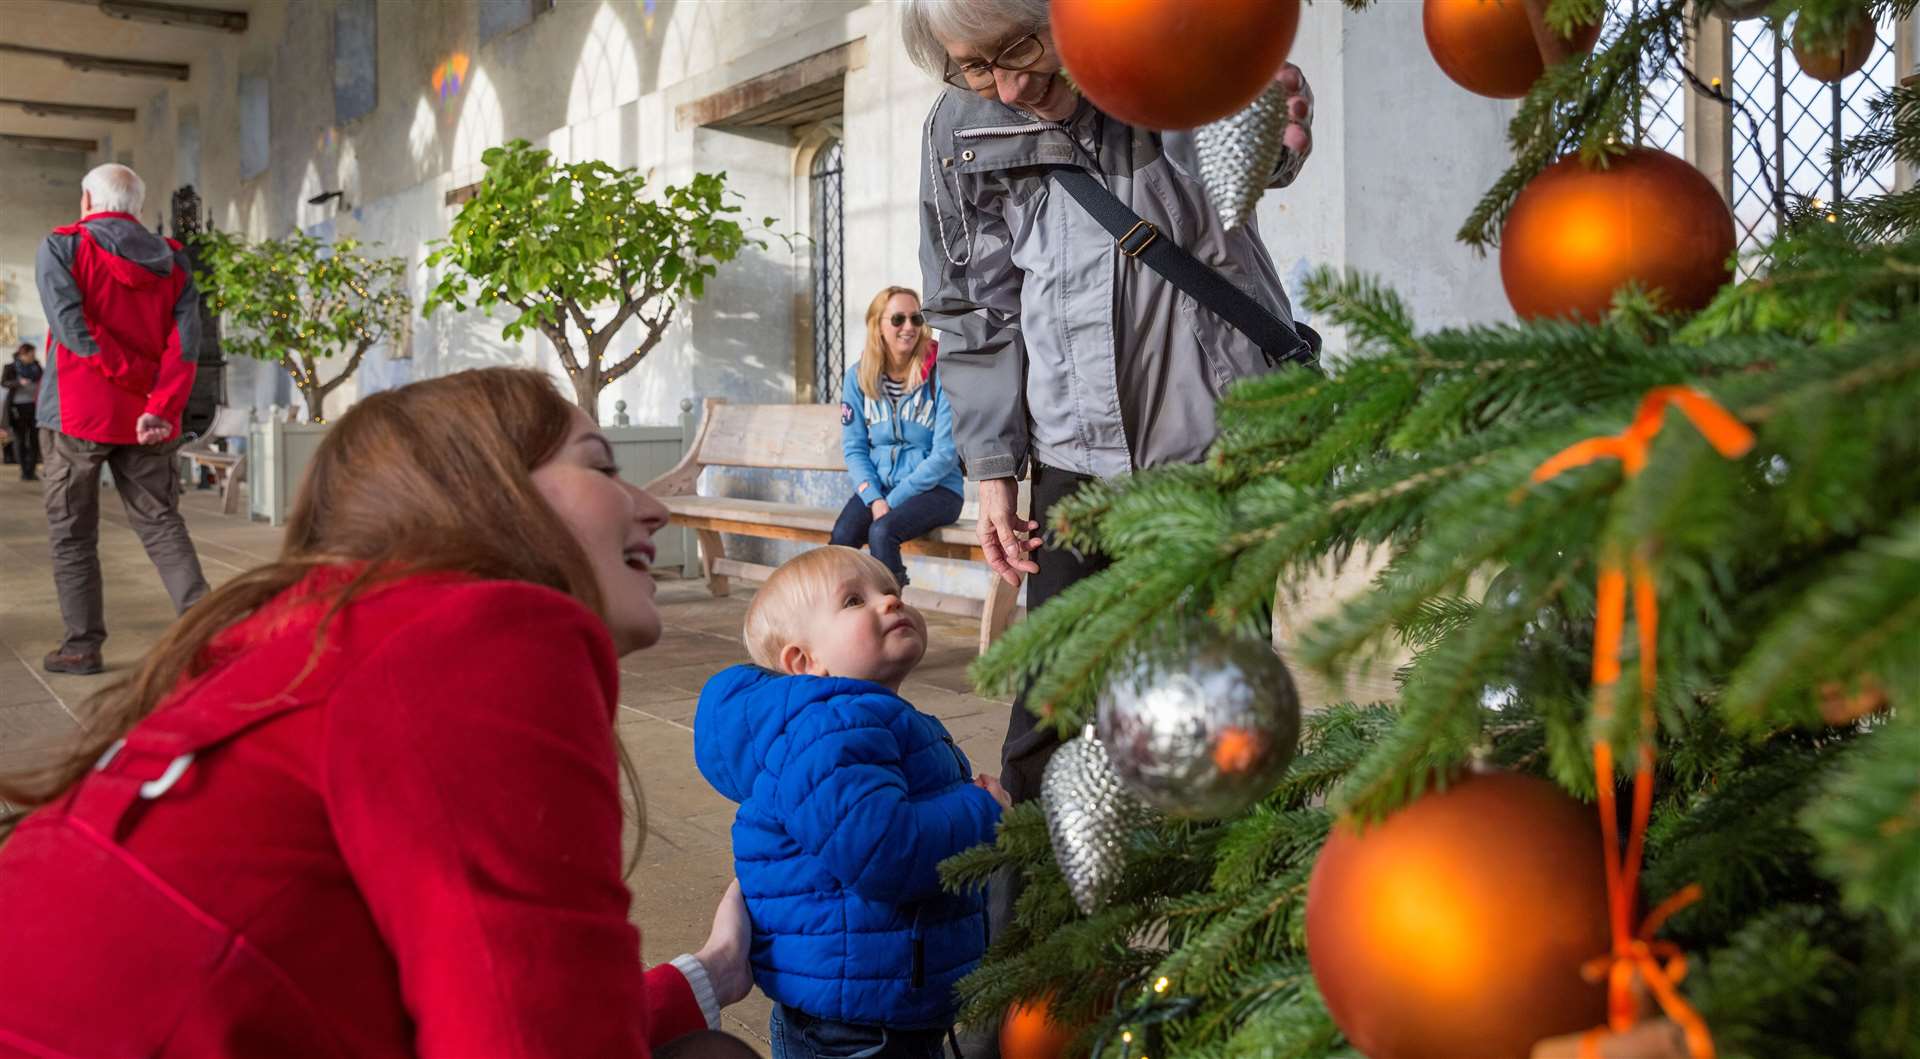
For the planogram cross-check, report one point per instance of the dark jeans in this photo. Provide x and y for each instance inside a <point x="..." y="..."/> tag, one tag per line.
<point x="149" y="489"/>
<point x="26" y="437"/>
<point x="798" y="1035"/>
<point x="915" y="517"/>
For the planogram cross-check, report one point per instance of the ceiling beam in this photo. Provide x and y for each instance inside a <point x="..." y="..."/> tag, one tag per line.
<point x="106" y="64"/>
<point x="47" y="143"/>
<point x="84" y="112"/>
<point x="171" y="14"/>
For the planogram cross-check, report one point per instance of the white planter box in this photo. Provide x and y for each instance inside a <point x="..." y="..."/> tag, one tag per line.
<point x="277" y="458"/>
<point x="646" y="453"/>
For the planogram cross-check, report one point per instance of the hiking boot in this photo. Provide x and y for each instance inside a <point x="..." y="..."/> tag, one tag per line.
<point x="82" y="663"/>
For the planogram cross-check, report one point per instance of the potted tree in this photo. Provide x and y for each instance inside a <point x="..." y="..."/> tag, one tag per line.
<point x="302" y="303"/>
<point x="577" y="250"/>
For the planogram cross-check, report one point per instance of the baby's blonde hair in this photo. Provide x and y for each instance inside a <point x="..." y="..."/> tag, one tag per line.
<point x="778" y="614"/>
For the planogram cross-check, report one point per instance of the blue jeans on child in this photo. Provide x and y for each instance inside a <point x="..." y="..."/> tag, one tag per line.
<point x="915" y="517"/>
<point x="798" y="1035"/>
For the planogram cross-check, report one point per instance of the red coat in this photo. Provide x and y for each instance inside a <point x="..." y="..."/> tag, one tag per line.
<point x="117" y="299"/>
<point x="412" y="850"/>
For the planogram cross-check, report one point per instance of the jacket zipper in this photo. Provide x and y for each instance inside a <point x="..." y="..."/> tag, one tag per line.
<point x="919" y="947"/>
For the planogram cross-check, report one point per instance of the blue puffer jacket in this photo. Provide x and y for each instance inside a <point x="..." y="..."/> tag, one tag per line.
<point x="895" y="454"/>
<point x="849" y="800"/>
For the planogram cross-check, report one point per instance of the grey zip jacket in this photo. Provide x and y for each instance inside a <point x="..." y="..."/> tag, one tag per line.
<point x="1055" y="347"/>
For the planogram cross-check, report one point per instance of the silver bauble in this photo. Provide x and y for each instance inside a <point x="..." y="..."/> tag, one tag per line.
<point x="1240" y="154"/>
<point x="1089" y="814"/>
<point x="1205" y="732"/>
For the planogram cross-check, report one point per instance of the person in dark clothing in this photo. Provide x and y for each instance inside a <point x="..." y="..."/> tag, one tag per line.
<point x="123" y="322"/>
<point x="21" y="381"/>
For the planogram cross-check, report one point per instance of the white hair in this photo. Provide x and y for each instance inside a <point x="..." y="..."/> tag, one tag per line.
<point x="115" y="188"/>
<point x="925" y="23"/>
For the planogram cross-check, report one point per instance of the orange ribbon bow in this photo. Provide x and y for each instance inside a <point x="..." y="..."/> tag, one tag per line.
<point x="1659" y="964"/>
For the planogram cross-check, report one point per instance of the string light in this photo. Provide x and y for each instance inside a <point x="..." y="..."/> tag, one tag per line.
<point x="1161" y="985"/>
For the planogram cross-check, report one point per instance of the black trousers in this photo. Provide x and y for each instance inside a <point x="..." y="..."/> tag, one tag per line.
<point x="1024" y="754"/>
<point x="26" y="437"/>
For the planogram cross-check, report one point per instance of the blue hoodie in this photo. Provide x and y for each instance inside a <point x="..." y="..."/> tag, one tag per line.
<point x="895" y="454"/>
<point x="849" y="800"/>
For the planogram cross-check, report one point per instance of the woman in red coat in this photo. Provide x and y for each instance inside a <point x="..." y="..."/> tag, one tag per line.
<point x="366" y="799"/>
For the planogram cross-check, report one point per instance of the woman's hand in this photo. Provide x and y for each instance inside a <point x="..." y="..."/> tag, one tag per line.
<point x="880" y="509"/>
<point x="1299" y="135"/>
<point x="1007" y="548"/>
<point x="725" y="953"/>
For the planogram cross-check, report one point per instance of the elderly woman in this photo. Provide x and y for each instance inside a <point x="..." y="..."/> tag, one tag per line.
<point x="1065" y="357"/>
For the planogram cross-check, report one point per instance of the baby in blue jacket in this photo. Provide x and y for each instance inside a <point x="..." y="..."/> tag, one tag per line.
<point x="849" y="800"/>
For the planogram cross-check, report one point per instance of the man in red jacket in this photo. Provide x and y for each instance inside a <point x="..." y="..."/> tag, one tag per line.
<point x="122" y="317"/>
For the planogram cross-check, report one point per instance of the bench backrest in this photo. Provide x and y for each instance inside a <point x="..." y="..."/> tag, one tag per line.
<point x="797" y="436"/>
<point x="804" y="437"/>
<point x="230" y="422"/>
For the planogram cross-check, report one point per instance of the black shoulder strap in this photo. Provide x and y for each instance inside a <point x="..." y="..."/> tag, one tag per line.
<point x="1283" y="343"/>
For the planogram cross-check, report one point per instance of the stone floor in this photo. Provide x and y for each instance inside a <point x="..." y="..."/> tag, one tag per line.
<point x="687" y="860"/>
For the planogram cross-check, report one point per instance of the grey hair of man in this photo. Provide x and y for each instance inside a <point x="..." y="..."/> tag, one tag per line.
<point x="115" y="189"/>
<point x="925" y="23"/>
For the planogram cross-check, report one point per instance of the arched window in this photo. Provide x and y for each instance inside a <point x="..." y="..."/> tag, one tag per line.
<point x="1790" y="124"/>
<point x="829" y="275"/>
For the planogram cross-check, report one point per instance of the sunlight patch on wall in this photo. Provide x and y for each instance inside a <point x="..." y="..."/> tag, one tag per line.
<point x="608" y="71"/>
<point x="479" y="128"/>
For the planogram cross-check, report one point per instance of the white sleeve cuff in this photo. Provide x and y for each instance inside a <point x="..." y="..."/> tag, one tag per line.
<point x="696" y="975"/>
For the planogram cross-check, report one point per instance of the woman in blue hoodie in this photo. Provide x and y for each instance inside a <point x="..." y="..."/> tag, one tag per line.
<point x="897" y="433"/>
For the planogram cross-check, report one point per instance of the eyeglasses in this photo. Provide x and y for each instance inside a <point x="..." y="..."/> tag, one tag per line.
<point x="977" y="75"/>
<point x="900" y="318"/>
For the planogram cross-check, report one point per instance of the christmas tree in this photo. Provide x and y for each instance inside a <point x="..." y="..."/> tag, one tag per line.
<point x="1785" y="569"/>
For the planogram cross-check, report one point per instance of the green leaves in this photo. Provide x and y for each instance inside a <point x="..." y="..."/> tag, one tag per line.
<point x="299" y="301"/>
<point x="575" y="250"/>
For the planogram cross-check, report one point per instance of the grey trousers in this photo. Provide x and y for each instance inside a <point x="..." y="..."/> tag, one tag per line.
<point x="150" y="490"/>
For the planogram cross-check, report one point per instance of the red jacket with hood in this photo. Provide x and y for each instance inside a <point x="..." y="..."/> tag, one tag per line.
<point x="122" y="328"/>
<point x="401" y="837"/>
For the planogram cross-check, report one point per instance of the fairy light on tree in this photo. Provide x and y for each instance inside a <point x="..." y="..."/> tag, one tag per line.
<point x="301" y="302"/>
<point x="611" y="251"/>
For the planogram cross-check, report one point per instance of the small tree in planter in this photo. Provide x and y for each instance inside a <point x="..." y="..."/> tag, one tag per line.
<point x="300" y="301"/>
<point x="560" y="242"/>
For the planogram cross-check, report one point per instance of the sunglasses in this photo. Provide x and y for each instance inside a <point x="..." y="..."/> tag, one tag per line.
<point x="900" y="318"/>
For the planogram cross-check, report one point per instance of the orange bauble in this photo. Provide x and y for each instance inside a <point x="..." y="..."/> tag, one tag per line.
<point x="1458" y="926"/>
<point x="1830" y="64"/>
<point x="1173" y="64"/>
<point x="1487" y="46"/>
<point x="1029" y="1032"/>
<point x="1576" y="235"/>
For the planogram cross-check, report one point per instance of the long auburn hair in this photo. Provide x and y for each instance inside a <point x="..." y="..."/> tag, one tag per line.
<point x="432" y="477"/>
<point x="873" y="358"/>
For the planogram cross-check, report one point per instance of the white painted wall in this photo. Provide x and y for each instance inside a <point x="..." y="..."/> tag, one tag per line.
<point x="39" y="191"/>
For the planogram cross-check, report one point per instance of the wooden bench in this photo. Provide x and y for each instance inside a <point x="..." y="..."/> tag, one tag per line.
<point x="804" y="437"/>
<point x="229" y="468"/>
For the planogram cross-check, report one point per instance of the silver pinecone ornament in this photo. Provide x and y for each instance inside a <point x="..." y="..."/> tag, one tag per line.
<point x="1203" y="730"/>
<point x="1089" y="814"/>
<point x="1239" y="155"/>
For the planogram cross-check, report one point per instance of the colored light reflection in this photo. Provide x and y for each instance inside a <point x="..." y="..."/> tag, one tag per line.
<point x="450" y="77"/>
<point x="646" y="8"/>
